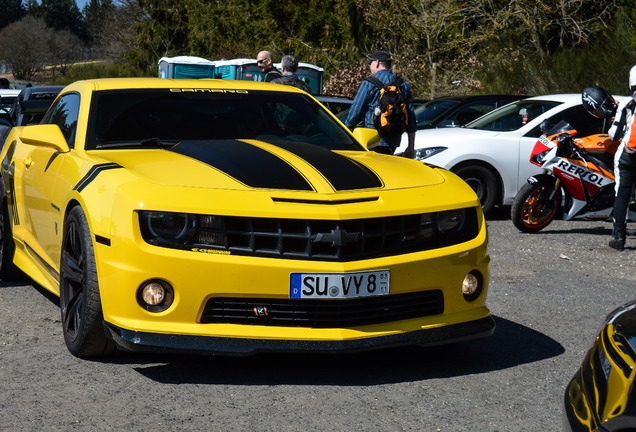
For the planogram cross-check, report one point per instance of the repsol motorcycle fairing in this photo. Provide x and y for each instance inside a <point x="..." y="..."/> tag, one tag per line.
<point x="577" y="178"/>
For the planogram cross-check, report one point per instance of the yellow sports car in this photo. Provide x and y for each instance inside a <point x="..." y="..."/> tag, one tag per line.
<point x="235" y="217"/>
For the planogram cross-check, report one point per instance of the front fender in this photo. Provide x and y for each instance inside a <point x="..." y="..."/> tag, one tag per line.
<point x="541" y="178"/>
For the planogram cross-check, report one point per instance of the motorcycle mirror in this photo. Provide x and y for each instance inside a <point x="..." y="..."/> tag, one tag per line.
<point x="544" y="126"/>
<point x="563" y="137"/>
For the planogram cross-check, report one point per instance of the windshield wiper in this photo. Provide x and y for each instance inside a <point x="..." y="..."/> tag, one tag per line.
<point x="158" y="142"/>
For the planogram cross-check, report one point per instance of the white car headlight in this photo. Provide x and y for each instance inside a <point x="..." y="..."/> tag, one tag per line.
<point x="423" y="153"/>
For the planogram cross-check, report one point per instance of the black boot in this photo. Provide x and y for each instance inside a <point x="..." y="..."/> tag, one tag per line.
<point x="618" y="238"/>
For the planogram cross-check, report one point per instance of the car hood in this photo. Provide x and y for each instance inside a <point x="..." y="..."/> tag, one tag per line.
<point x="248" y="164"/>
<point x="451" y="133"/>
<point x="436" y="137"/>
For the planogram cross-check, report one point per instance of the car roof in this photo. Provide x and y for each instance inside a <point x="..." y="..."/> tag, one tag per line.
<point x="27" y="92"/>
<point x="565" y="97"/>
<point x="484" y="96"/>
<point x="9" y="92"/>
<point x="184" y="85"/>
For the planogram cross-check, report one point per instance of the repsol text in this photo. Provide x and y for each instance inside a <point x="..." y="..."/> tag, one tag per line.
<point x="582" y="173"/>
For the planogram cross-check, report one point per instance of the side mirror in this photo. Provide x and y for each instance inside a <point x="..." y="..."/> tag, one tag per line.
<point x="544" y="126"/>
<point x="369" y="138"/>
<point x="48" y="135"/>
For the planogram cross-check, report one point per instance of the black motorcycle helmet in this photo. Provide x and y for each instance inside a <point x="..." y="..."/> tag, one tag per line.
<point x="598" y="102"/>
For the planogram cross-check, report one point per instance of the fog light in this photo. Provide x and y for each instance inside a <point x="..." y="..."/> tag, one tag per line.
<point x="471" y="286"/>
<point x="155" y="295"/>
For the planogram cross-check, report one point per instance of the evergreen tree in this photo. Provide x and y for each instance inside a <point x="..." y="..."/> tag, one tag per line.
<point x="59" y="15"/>
<point x="12" y="11"/>
<point x="98" y="15"/>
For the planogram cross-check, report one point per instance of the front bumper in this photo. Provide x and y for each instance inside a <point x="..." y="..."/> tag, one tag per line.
<point x="200" y="276"/>
<point x="155" y="342"/>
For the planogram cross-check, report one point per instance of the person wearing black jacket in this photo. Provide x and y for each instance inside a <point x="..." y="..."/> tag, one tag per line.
<point x="264" y="61"/>
<point x="289" y="65"/>
<point x="624" y="129"/>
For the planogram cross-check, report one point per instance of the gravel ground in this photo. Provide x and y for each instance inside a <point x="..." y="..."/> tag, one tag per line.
<point x="549" y="293"/>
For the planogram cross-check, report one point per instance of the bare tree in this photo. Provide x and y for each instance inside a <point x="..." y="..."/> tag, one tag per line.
<point x="425" y="35"/>
<point x="24" y="46"/>
<point x="65" y="49"/>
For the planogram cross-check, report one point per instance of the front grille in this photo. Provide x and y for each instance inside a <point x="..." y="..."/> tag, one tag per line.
<point x="323" y="240"/>
<point x="320" y="313"/>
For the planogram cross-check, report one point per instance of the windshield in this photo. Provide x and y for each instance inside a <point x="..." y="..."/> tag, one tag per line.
<point x="429" y="112"/>
<point x="6" y="102"/>
<point x="164" y="117"/>
<point x="512" y="116"/>
<point x="559" y="128"/>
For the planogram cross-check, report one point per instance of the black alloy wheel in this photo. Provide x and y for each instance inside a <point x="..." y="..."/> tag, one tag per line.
<point x="8" y="270"/>
<point x="80" y="301"/>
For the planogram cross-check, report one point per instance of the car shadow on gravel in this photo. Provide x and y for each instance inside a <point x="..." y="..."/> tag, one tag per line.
<point x="499" y="213"/>
<point x="604" y="229"/>
<point x="511" y="345"/>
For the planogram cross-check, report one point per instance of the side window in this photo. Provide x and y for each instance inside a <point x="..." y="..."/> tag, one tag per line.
<point x="64" y="114"/>
<point x="584" y="123"/>
<point x="471" y="112"/>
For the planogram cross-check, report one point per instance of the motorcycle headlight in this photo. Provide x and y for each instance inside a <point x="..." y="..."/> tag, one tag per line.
<point x="424" y="153"/>
<point x="167" y="227"/>
<point x="540" y="158"/>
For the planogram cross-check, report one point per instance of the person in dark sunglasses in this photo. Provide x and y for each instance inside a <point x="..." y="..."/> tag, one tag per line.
<point x="264" y="61"/>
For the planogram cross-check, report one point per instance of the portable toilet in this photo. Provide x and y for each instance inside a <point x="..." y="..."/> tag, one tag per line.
<point x="309" y="73"/>
<point x="185" y="67"/>
<point x="238" y="69"/>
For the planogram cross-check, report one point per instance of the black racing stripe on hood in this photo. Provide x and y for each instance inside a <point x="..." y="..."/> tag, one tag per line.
<point x="246" y="163"/>
<point x="343" y="173"/>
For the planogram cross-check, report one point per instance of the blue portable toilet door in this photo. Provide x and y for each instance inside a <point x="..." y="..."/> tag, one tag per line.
<point x="249" y="72"/>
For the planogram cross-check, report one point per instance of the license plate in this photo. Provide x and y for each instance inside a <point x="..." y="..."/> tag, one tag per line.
<point x="339" y="285"/>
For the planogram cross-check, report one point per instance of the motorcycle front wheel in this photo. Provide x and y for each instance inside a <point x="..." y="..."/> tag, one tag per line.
<point x="533" y="208"/>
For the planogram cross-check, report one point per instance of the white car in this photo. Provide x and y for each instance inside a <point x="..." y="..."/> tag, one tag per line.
<point x="492" y="153"/>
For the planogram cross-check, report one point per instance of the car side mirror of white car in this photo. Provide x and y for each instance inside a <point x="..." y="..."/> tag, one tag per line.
<point x="369" y="138"/>
<point x="48" y="135"/>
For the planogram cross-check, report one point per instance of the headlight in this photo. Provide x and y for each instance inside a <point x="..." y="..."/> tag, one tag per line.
<point x="167" y="227"/>
<point x="451" y="220"/>
<point x="539" y="159"/>
<point x="423" y="153"/>
<point x="182" y="230"/>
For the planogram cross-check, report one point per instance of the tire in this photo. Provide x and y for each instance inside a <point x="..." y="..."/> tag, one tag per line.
<point x="484" y="182"/>
<point x="80" y="303"/>
<point x="532" y="210"/>
<point x="8" y="270"/>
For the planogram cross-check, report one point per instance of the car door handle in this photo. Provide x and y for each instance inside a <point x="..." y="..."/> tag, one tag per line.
<point x="28" y="162"/>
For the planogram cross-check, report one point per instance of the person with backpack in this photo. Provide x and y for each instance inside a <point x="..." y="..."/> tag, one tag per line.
<point x="384" y="102"/>
<point x="289" y="66"/>
<point x="624" y="129"/>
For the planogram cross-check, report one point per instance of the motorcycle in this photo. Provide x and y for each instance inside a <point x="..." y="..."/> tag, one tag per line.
<point x="578" y="178"/>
